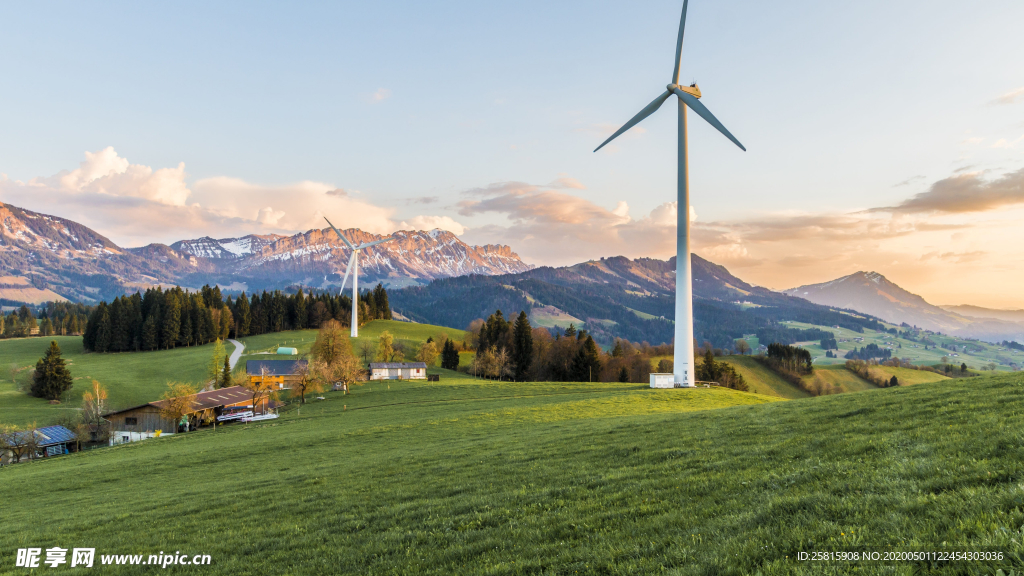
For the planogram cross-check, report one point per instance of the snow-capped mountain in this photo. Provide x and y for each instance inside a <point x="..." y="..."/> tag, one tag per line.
<point x="78" y="263"/>
<point x="318" y="258"/>
<point x="225" y="248"/>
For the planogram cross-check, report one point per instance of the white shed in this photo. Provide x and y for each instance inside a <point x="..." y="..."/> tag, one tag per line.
<point x="398" y="371"/>
<point x="663" y="380"/>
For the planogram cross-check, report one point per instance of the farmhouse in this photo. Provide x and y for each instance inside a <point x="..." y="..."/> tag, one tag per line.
<point x="145" y="421"/>
<point x="398" y="371"/>
<point x="38" y="443"/>
<point x="280" y="372"/>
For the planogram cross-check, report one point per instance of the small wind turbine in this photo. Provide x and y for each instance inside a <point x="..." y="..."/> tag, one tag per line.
<point x="687" y="96"/>
<point x="353" y="267"/>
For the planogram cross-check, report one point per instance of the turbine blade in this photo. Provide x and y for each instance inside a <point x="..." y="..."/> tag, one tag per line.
<point x="347" y="270"/>
<point x="345" y="240"/>
<point x="647" y="111"/>
<point x="706" y="114"/>
<point x="374" y="243"/>
<point x="679" y="45"/>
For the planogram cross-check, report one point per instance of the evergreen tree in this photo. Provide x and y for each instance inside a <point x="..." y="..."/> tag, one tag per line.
<point x="623" y="374"/>
<point x="52" y="378"/>
<point x="894" y="381"/>
<point x="586" y="364"/>
<point x="243" y="316"/>
<point x="299" y="314"/>
<point x="185" y="335"/>
<point x="570" y="332"/>
<point x="617" y="351"/>
<point x="211" y="329"/>
<point x="522" y="346"/>
<point x="150" y="334"/>
<point x="172" y="320"/>
<point x="225" y="375"/>
<point x="103" y="329"/>
<point x="449" y="356"/>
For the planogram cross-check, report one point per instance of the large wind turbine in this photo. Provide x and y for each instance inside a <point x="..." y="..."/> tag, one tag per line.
<point x="353" y="267"/>
<point x="687" y="96"/>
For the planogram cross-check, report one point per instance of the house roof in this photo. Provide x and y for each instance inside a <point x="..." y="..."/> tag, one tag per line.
<point x="48" y="436"/>
<point x="51" y="435"/>
<point x="202" y="400"/>
<point x="214" y="398"/>
<point x="397" y="365"/>
<point x="274" y="367"/>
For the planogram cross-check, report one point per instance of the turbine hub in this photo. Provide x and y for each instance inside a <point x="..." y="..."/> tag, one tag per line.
<point x="672" y="87"/>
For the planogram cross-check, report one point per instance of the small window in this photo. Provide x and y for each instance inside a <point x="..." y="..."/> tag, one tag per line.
<point x="131" y="421"/>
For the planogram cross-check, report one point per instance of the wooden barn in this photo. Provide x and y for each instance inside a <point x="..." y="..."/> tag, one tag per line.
<point x="145" y="421"/>
<point x="398" y="371"/>
<point x="283" y="373"/>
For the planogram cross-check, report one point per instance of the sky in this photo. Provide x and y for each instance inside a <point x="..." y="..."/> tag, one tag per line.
<point x="880" y="136"/>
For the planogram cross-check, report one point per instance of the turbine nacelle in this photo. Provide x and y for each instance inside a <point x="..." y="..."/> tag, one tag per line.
<point x="692" y="89"/>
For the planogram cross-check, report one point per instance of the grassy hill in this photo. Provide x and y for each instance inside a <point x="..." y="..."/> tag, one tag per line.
<point x="131" y="378"/>
<point x="762" y="380"/>
<point x="134" y="378"/>
<point x="979" y="355"/>
<point x="840" y="378"/>
<point x="469" y="476"/>
<point x="909" y="376"/>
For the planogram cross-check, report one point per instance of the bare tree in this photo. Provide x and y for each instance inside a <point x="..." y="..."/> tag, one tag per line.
<point x="742" y="346"/>
<point x="501" y="365"/>
<point x="261" y="387"/>
<point x="312" y="377"/>
<point x="94" y="404"/>
<point x="177" y="401"/>
<point x="366" y="350"/>
<point x="20" y="442"/>
<point x="428" y="353"/>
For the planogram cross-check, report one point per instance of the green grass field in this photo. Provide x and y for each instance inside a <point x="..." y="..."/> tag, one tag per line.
<point x="762" y="380"/>
<point x="130" y="378"/>
<point x="909" y="376"/>
<point x="841" y="379"/>
<point x="477" y="477"/>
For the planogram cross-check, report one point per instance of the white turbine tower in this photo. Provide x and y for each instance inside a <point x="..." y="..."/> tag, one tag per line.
<point x="353" y="267"/>
<point x="687" y="96"/>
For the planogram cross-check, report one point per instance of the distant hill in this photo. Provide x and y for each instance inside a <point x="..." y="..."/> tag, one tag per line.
<point x="619" y="297"/>
<point x="872" y="293"/>
<point x="57" y="256"/>
<point x="979" y="312"/>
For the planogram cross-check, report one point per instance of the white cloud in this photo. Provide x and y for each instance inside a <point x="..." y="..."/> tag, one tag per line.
<point x="134" y="205"/>
<point x="1010" y="97"/>
<point x="431" y="222"/>
<point x="380" y="95"/>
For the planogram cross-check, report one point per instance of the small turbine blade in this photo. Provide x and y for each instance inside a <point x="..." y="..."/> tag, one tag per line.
<point x="347" y="270"/>
<point x="647" y="111"/>
<point x="374" y="243"/>
<point x="706" y="114"/>
<point x="679" y="45"/>
<point x="345" y="240"/>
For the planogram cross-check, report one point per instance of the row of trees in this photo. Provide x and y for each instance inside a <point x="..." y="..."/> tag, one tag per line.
<point x="724" y="374"/>
<point x="55" y="319"/>
<point x="162" y="319"/>
<point x="869" y="352"/>
<point x="869" y="371"/>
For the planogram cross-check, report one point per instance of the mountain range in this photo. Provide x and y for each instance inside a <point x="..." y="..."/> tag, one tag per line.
<point x="874" y="294"/>
<point x="435" y="277"/>
<point x="56" y="256"/>
<point x="619" y="297"/>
